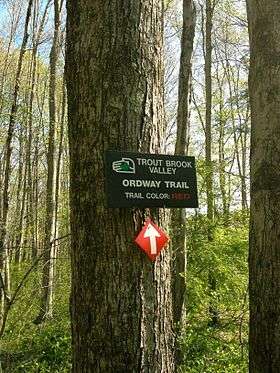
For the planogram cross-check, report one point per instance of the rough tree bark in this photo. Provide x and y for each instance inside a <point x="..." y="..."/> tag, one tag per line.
<point x="264" y="255"/>
<point x="121" y="302"/>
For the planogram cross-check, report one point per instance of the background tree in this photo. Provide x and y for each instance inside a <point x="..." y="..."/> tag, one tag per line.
<point x="8" y="143"/>
<point x="178" y="216"/>
<point x="264" y="83"/>
<point x="208" y="48"/>
<point x="46" y="309"/>
<point x="29" y="347"/>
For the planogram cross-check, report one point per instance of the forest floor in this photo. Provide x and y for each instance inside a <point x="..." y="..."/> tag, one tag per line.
<point x="207" y="347"/>
<point x="45" y="348"/>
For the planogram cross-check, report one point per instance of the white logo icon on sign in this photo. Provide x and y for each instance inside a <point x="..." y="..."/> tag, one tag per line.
<point x="125" y="165"/>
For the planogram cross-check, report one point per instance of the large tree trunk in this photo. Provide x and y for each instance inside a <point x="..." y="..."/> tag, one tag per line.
<point x="264" y="256"/>
<point x="121" y="302"/>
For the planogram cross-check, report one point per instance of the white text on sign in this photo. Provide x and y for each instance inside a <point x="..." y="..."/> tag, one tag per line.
<point x="154" y="184"/>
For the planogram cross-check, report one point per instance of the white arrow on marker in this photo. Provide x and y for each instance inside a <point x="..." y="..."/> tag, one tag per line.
<point x="152" y="233"/>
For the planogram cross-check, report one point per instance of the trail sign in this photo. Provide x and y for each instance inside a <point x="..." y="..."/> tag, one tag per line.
<point x="150" y="180"/>
<point x="151" y="239"/>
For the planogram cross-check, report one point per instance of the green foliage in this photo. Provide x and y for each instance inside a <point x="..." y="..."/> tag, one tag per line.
<point x="222" y="348"/>
<point x="45" y="348"/>
<point x="208" y="350"/>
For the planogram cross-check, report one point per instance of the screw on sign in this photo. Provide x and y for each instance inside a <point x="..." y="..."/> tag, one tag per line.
<point x="151" y="239"/>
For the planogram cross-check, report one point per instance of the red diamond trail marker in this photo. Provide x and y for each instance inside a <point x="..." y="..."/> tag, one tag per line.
<point x="151" y="239"/>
